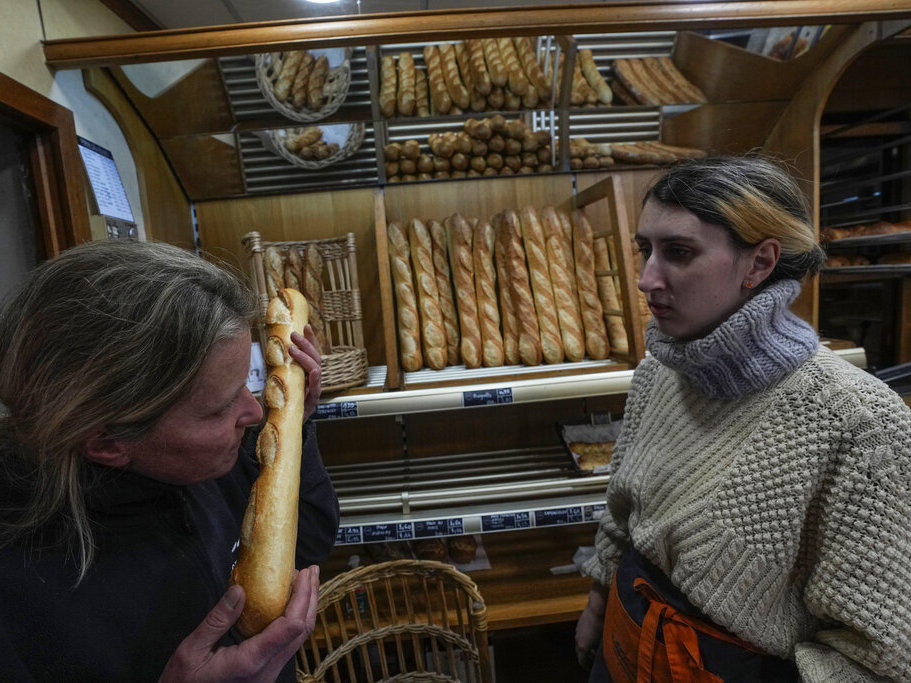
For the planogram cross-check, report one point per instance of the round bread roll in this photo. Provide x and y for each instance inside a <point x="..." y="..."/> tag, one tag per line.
<point x="459" y="161"/>
<point x="478" y="163"/>
<point x="411" y="149"/>
<point x="407" y="166"/>
<point x="425" y="164"/>
<point x="441" y="164"/>
<point x="496" y="144"/>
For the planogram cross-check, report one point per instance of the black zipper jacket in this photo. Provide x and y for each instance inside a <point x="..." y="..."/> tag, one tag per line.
<point x="164" y="556"/>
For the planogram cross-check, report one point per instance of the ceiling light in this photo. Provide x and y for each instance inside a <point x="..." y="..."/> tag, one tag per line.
<point x="321" y="2"/>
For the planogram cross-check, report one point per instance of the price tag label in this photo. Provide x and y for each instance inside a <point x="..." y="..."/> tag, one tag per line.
<point x="570" y="515"/>
<point x="398" y="531"/>
<point x="438" y="527"/>
<point x="594" y="512"/>
<point x="486" y="397"/>
<point x="511" y="520"/>
<point x="335" y="410"/>
<point x="348" y="535"/>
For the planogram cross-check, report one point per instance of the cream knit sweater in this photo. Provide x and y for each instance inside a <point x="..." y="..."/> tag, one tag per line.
<point x="783" y="513"/>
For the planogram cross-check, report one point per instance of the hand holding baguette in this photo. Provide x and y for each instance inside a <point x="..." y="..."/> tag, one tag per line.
<point x="265" y="567"/>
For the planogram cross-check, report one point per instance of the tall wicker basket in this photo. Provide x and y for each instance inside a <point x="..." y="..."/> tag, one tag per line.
<point x="345" y="362"/>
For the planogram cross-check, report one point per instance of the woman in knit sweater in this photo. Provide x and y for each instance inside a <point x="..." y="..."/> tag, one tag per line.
<point x="759" y="508"/>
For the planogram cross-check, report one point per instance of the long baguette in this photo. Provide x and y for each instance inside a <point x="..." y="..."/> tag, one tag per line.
<point x="562" y="276"/>
<point x="690" y="90"/>
<point x="301" y="80"/>
<point x="406" y="302"/>
<point x="590" y="304"/>
<point x="439" y="94"/>
<point x="495" y="66"/>
<point x="594" y="77"/>
<point x="610" y="302"/>
<point x="507" y="310"/>
<point x="312" y="289"/>
<point x="406" y="85"/>
<point x="486" y="289"/>
<point x="290" y="64"/>
<point x="459" y="235"/>
<point x="444" y="290"/>
<point x="520" y="290"/>
<point x="432" y="333"/>
<point x="459" y="94"/>
<point x="526" y="51"/>
<point x="274" y="271"/>
<point x="541" y="285"/>
<point x="388" y="85"/>
<point x="479" y="72"/>
<point x="268" y="535"/>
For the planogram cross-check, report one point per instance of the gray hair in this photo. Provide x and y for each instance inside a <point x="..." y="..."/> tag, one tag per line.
<point x="753" y="198"/>
<point x="105" y="337"/>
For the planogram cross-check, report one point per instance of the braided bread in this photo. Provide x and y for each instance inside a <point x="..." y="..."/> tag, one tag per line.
<point x="432" y="333"/>
<point x="268" y="535"/>
<point x="406" y="303"/>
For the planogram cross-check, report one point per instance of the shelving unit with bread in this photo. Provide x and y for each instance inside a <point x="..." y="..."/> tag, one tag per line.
<point x="550" y="286"/>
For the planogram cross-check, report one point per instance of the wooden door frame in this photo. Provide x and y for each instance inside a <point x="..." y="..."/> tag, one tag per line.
<point x="62" y="211"/>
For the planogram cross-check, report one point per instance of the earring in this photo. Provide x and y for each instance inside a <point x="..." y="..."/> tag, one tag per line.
<point x="749" y="284"/>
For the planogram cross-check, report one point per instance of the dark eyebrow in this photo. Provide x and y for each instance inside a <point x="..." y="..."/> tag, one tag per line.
<point x="667" y="239"/>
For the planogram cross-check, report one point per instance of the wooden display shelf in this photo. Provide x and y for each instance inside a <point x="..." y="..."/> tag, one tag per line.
<point x="518" y="589"/>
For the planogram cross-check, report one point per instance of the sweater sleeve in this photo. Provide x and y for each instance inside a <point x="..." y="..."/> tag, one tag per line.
<point x="613" y="534"/>
<point x="859" y="583"/>
<point x="318" y="511"/>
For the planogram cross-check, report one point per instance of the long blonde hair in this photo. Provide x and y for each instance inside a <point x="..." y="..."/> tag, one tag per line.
<point x="754" y="198"/>
<point x="104" y="337"/>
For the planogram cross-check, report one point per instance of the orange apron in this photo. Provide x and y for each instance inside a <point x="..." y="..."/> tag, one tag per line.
<point x="665" y="648"/>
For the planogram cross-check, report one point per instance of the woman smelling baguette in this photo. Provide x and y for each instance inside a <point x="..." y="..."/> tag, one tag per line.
<point x="127" y="439"/>
<point x="758" y="520"/>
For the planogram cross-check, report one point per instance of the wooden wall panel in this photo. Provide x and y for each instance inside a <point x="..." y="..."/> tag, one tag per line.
<point x="207" y="167"/>
<point x="165" y="208"/>
<point x="729" y="128"/>
<point x="301" y="217"/>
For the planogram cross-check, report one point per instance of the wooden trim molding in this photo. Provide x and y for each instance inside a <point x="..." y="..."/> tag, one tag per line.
<point x="57" y="167"/>
<point x="452" y="24"/>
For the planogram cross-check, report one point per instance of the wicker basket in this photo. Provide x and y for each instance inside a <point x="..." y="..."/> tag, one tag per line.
<point x="274" y="141"/>
<point x="345" y="364"/>
<point x="338" y="80"/>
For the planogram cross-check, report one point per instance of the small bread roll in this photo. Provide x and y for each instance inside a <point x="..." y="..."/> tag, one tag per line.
<point x="411" y="149"/>
<point x="459" y="161"/>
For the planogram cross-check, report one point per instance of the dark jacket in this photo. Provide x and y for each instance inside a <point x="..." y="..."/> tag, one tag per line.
<point x="164" y="556"/>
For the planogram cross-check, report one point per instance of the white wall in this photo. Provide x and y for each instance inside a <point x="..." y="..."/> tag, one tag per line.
<point x="22" y="59"/>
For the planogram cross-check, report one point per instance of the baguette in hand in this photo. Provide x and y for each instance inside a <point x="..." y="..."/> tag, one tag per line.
<point x="268" y="535"/>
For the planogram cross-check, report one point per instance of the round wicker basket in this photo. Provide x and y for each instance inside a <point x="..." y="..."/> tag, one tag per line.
<point x="338" y="80"/>
<point x="274" y="141"/>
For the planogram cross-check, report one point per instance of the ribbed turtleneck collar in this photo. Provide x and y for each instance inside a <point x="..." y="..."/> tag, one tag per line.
<point x="755" y="347"/>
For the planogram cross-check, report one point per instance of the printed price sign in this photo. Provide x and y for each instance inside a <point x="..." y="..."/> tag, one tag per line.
<point x="570" y="515"/>
<point x="438" y="527"/>
<point x="593" y="512"/>
<point x="511" y="520"/>
<point x="486" y="397"/>
<point x="335" y="410"/>
<point x="394" y="531"/>
<point x="348" y="535"/>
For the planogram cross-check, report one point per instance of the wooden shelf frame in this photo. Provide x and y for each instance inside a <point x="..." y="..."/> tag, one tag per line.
<point x="452" y="24"/>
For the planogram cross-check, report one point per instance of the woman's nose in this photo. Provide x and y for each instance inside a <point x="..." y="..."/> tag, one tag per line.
<point x="650" y="277"/>
<point x="253" y="411"/>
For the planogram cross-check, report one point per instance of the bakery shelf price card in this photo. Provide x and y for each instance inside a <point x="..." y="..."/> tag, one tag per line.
<point x="504" y="522"/>
<point x="486" y="397"/>
<point x="570" y="515"/>
<point x="348" y="535"/>
<point x="593" y="512"/>
<point x="336" y="410"/>
<point x="393" y="531"/>
<point x="438" y="527"/>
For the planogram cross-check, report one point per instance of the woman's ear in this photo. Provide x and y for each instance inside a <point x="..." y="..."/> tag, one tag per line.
<point x="763" y="259"/>
<point x="106" y="450"/>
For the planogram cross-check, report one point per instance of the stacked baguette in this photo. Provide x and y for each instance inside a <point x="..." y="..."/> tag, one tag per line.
<point x="585" y="155"/>
<point x="299" y="268"/>
<point x="487" y="74"/>
<point x="308" y="143"/>
<point x="301" y="80"/>
<point x="524" y="287"/>
<point x="484" y="147"/>
<point x="653" y="81"/>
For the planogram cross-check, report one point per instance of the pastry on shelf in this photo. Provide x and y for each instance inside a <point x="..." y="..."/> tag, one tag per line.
<point x="651" y="152"/>
<point x="592" y="455"/>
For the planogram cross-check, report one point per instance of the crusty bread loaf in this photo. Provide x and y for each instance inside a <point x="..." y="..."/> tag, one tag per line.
<point x="520" y="289"/>
<point x="457" y="90"/>
<point x="439" y="93"/>
<point x="610" y="301"/>
<point x="562" y="276"/>
<point x="631" y="78"/>
<point x="291" y="62"/>
<point x="479" y="73"/>
<point x="312" y="282"/>
<point x="294" y="267"/>
<point x="405" y="299"/>
<point x="302" y="80"/>
<point x="541" y="285"/>
<point x="594" y="77"/>
<point x="459" y="237"/>
<point x="316" y="82"/>
<point x="526" y="50"/>
<point x="421" y="95"/>
<point x="507" y="310"/>
<point x="432" y="332"/>
<point x="692" y="94"/>
<point x="485" y="278"/>
<point x="268" y="535"/>
<point x="444" y="289"/>
<point x="388" y="84"/>
<point x="590" y="304"/>
<point x="495" y="66"/>
<point x="274" y="270"/>
<point x="518" y="81"/>
<point x="405" y="91"/>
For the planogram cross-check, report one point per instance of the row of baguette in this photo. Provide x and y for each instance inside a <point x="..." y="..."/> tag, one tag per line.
<point x="893" y="258"/>
<point x="869" y="230"/>
<point x="523" y="287"/>
<point x="299" y="268"/>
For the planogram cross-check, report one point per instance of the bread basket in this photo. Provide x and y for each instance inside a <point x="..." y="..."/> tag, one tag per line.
<point x="345" y="362"/>
<point x="268" y="66"/>
<point x="350" y="135"/>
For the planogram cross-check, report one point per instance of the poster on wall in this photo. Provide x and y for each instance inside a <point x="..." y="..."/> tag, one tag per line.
<point x="108" y="190"/>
